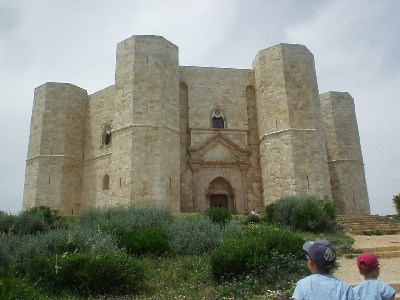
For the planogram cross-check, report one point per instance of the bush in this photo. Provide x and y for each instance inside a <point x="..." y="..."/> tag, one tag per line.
<point x="7" y="222"/>
<point x="252" y="219"/>
<point x="33" y="221"/>
<point x="20" y="249"/>
<point x="302" y="213"/>
<point x="269" y="213"/>
<point x="198" y="234"/>
<point x="30" y="223"/>
<point x="87" y="274"/>
<point x="261" y="251"/>
<point x="219" y="215"/>
<point x="78" y="240"/>
<point x="14" y="288"/>
<point x="146" y="241"/>
<point x="51" y="216"/>
<point x="131" y="217"/>
<point x="396" y="201"/>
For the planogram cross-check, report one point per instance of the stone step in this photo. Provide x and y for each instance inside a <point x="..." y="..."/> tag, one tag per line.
<point x="368" y="225"/>
<point x="367" y="219"/>
<point x="380" y="249"/>
<point x="356" y="228"/>
<point x="374" y="232"/>
<point x="388" y="254"/>
<point x="369" y="222"/>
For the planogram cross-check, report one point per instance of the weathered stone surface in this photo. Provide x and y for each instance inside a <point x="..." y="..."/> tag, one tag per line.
<point x="149" y="139"/>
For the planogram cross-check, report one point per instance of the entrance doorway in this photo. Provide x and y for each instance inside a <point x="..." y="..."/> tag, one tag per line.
<point x="219" y="200"/>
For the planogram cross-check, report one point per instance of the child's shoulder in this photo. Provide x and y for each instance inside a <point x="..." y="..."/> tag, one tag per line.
<point x="374" y="286"/>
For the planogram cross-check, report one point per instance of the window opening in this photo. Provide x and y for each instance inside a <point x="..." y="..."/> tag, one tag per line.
<point x="218" y="120"/>
<point x="106" y="183"/>
<point x="107" y="135"/>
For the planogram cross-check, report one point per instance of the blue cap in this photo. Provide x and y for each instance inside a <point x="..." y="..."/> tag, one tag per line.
<point x="322" y="253"/>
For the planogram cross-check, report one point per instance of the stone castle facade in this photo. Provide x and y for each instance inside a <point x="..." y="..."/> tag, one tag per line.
<point x="193" y="137"/>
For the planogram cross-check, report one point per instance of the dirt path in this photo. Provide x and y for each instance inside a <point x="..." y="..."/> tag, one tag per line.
<point x="390" y="267"/>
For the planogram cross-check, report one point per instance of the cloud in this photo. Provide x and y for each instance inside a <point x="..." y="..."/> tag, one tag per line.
<point x="355" y="45"/>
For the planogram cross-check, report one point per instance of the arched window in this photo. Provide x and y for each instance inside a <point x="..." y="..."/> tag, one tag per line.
<point x="106" y="183"/>
<point x="107" y="135"/>
<point x="218" y="119"/>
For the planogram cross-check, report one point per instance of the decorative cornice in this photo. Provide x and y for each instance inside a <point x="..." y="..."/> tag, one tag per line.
<point x="53" y="156"/>
<point x="175" y="130"/>
<point x="200" y="164"/>
<point x="345" y="160"/>
<point x="219" y="138"/>
<point x="284" y="131"/>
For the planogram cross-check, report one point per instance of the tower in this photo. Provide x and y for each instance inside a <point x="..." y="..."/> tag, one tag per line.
<point x="145" y="157"/>
<point x="55" y="153"/>
<point x="349" y="188"/>
<point x="292" y="146"/>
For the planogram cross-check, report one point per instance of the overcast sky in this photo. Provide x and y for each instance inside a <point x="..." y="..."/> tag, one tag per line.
<point x="356" y="46"/>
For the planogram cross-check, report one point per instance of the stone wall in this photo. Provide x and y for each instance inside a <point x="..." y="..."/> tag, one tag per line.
<point x="149" y="139"/>
<point x="146" y="123"/>
<point x="55" y="153"/>
<point x="349" y="188"/>
<point x="293" y="154"/>
<point x="97" y="162"/>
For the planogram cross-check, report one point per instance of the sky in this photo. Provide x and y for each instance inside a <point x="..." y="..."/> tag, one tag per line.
<point x="355" y="45"/>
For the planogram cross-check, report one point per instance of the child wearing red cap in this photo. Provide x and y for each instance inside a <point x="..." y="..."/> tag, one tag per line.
<point x="372" y="288"/>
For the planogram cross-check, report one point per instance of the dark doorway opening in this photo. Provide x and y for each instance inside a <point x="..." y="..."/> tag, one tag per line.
<point x="219" y="200"/>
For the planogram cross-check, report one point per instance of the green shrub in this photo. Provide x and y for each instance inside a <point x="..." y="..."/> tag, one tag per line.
<point x="131" y="217"/>
<point x="14" y="288"/>
<point x="146" y="241"/>
<point x="269" y="213"/>
<point x="51" y="216"/>
<point x="281" y="212"/>
<point x="396" y="202"/>
<point x="259" y="251"/>
<point x="79" y="239"/>
<point x="198" y="234"/>
<point x="20" y="249"/>
<point x="219" y="215"/>
<point x="302" y="213"/>
<point x="252" y="219"/>
<point x="33" y="221"/>
<point x="30" y="223"/>
<point x="7" y="222"/>
<point x="87" y="274"/>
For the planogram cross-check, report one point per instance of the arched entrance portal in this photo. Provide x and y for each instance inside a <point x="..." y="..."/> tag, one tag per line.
<point x="220" y="194"/>
<point x="218" y="200"/>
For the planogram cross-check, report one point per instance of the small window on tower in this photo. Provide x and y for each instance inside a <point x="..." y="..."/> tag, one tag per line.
<point x="107" y="135"/>
<point x="106" y="183"/>
<point x="218" y="119"/>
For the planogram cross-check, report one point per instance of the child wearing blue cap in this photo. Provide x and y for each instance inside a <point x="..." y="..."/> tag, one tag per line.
<point x="321" y="256"/>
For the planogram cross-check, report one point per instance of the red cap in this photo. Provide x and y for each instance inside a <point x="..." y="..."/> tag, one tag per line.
<point x="367" y="261"/>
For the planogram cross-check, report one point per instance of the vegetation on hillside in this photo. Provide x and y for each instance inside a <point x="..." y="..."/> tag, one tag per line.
<point x="396" y="202"/>
<point x="150" y="253"/>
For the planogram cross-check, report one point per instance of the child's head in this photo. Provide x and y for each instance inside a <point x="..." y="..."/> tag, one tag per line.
<point x="322" y="254"/>
<point x="368" y="265"/>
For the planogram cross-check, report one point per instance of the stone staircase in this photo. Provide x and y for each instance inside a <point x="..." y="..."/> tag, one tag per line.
<point x="374" y="225"/>
<point x="369" y="224"/>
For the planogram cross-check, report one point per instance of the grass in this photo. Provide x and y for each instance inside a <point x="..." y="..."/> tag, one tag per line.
<point x="188" y="277"/>
<point x="181" y="277"/>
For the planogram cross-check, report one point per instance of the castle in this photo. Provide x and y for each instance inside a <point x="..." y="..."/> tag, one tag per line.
<point x="189" y="138"/>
